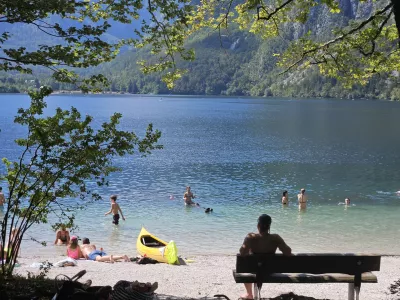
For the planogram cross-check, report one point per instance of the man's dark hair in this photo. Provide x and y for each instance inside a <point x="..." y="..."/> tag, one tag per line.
<point x="85" y="241"/>
<point x="1" y="188"/>
<point x="264" y="223"/>
<point x="284" y="193"/>
<point x="113" y="197"/>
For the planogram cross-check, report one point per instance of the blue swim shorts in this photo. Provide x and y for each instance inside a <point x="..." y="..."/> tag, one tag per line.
<point x="95" y="253"/>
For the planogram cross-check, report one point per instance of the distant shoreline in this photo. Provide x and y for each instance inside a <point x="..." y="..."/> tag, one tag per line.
<point x="78" y="92"/>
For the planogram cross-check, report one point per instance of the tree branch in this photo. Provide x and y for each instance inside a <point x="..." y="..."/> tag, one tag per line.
<point x="274" y="12"/>
<point x="339" y="38"/>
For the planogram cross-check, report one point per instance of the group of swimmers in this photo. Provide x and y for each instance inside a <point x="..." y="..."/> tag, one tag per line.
<point x="302" y="199"/>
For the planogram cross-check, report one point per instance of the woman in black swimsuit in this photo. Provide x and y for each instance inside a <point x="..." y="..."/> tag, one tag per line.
<point x="285" y="198"/>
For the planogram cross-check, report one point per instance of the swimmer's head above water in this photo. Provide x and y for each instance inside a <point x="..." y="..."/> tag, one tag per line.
<point x="347" y="201"/>
<point x="284" y="194"/>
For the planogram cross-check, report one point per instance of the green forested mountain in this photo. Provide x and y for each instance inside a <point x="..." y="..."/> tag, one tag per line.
<point x="234" y="62"/>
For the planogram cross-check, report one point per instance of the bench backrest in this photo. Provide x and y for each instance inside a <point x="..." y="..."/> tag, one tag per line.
<point x="308" y="263"/>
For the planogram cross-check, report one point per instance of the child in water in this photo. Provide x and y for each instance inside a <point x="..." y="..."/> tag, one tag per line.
<point x="115" y="209"/>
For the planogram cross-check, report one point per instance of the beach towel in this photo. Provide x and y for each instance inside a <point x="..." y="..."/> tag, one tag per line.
<point x="66" y="262"/>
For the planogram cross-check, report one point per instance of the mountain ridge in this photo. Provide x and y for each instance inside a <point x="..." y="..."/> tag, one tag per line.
<point x="240" y="64"/>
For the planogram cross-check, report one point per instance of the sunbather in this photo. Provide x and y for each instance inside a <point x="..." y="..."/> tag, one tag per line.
<point x="73" y="249"/>
<point x="90" y="252"/>
<point x="262" y="242"/>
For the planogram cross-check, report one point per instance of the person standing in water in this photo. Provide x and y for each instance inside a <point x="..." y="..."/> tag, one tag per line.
<point x="302" y="197"/>
<point x="2" y="198"/>
<point x="115" y="210"/>
<point x="285" y="198"/>
<point x="188" y="197"/>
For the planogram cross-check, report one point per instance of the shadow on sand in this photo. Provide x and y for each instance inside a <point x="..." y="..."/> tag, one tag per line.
<point x="289" y="296"/>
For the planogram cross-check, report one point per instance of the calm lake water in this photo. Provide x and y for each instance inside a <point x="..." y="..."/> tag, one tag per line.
<point x="238" y="155"/>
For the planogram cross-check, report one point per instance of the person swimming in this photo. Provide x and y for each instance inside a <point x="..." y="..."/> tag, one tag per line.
<point x="347" y="201"/>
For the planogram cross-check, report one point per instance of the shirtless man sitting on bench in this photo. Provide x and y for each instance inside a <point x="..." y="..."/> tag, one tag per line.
<point x="260" y="243"/>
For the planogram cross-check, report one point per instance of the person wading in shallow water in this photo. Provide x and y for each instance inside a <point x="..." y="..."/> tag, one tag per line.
<point x="188" y="197"/>
<point x="114" y="210"/>
<point x="262" y="242"/>
<point x="285" y="198"/>
<point x="302" y="197"/>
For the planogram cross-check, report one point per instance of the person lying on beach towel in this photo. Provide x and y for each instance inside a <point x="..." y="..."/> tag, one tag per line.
<point x="90" y="252"/>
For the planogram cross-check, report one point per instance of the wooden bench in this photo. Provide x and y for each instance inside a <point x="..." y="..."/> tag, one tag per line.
<point x="307" y="268"/>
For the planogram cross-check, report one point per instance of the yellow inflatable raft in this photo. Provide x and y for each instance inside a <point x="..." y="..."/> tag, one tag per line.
<point x="151" y="246"/>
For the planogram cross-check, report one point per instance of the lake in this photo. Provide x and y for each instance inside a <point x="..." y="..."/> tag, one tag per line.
<point x="238" y="155"/>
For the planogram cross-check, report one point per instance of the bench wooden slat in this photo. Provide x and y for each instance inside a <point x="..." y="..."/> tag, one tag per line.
<point x="308" y="263"/>
<point x="367" y="277"/>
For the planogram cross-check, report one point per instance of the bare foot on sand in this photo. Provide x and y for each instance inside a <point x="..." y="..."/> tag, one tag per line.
<point x="246" y="296"/>
<point x="126" y="258"/>
<point x="112" y="259"/>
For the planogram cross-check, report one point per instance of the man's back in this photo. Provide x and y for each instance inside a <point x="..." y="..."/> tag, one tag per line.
<point x="114" y="208"/>
<point x="264" y="243"/>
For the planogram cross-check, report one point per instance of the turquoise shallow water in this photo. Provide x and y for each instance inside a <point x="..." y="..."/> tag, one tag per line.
<point x="238" y="155"/>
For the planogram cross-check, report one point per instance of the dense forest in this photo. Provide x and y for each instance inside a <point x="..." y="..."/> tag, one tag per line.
<point x="230" y="62"/>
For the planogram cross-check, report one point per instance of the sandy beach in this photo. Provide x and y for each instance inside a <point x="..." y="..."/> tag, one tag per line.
<point x="210" y="275"/>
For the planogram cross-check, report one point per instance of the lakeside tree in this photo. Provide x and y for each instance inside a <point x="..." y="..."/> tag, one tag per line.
<point x="77" y="30"/>
<point x="60" y="155"/>
<point x="61" y="152"/>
